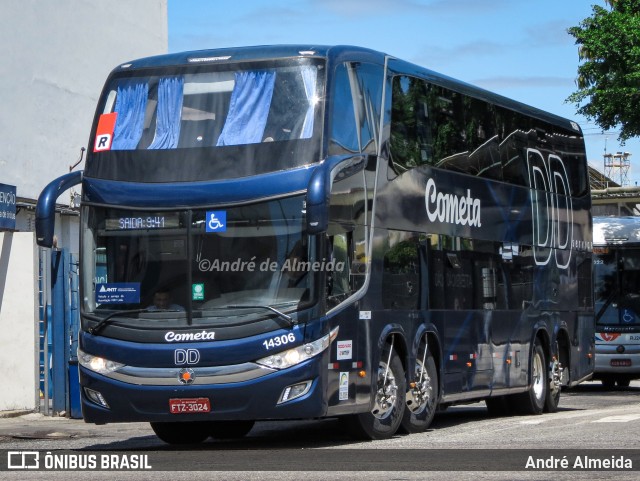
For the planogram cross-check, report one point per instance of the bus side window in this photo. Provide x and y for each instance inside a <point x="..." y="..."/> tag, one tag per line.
<point x="411" y="113"/>
<point x="338" y="286"/>
<point x="402" y="272"/>
<point x="355" y="108"/>
<point x="348" y="264"/>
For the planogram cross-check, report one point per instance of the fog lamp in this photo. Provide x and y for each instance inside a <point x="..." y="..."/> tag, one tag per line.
<point x="95" y="397"/>
<point x="294" y="391"/>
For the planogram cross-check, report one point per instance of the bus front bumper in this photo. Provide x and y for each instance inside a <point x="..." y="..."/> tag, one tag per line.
<point x="259" y="398"/>
<point x="614" y="363"/>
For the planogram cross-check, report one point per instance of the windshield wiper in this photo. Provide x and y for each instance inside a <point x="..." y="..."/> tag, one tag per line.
<point x="606" y="304"/>
<point x="95" y="330"/>
<point x="292" y="322"/>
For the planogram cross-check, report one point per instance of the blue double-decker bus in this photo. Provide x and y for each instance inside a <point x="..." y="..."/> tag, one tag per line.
<point x="291" y="232"/>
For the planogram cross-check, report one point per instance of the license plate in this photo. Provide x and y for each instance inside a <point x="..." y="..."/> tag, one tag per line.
<point x="189" y="405"/>
<point x="620" y="362"/>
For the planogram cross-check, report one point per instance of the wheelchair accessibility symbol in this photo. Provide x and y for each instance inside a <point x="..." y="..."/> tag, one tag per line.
<point x="216" y="221"/>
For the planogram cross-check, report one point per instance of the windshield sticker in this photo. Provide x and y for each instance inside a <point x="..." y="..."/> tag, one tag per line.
<point x="197" y="292"/>
<point x="118" y="293"/>
<point x="104" y="132"/>
<point x="216" y="221"/>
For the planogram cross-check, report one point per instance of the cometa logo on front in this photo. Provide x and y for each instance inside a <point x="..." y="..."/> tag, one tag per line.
<point x="450" y="208"/>
<point x="189" y="336"/>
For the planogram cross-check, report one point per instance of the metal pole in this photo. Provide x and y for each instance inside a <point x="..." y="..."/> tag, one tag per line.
<point x="45" y="317"/>
<point x="60" y="344"/>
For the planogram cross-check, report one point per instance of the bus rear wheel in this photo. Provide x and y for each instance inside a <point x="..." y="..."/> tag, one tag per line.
<point x="421" y="399"/>
<point x="182" y="433"/>
<point x="385" y="417"/>
<point x="554" y="386"/>
<point x="533" y="400"/>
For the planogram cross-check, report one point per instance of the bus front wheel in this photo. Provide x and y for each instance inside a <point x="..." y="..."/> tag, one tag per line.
<point x="230" y="429"/>
<point x="383" y="420"/>
<point x="181" y="433"/>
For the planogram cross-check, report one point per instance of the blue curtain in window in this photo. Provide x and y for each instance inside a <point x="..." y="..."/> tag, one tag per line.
<point x="131" y="104"/>
<point x="309" y="76"/>
<point x="169" y="113"/>
<point x="248" y="108"/>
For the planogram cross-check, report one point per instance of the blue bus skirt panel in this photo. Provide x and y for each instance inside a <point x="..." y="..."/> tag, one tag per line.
<point x="249" y="400"/>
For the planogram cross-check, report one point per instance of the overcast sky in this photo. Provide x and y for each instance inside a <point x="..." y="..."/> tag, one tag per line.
<point x="517" y="48"/>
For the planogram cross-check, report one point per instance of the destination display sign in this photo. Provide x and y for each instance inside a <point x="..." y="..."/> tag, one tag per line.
<point x="144" y="221"/>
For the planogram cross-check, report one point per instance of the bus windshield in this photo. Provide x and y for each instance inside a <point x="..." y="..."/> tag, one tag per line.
<point x="195" y="122"/>
<point x="202" y="262"/>
<point x="617" y="286"/>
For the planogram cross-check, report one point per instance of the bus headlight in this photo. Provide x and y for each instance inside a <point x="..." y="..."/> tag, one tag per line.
<point x="291" y="357"/>
<point x="97" y="364"/>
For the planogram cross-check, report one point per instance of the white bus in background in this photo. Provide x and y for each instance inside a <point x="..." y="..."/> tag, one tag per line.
<point x="616" y="258"/>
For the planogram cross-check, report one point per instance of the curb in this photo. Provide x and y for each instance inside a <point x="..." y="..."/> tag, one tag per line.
<point x="15" y="413"/>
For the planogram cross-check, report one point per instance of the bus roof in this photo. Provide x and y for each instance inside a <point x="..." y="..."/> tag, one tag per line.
<point x="341" y="53"/>
<point x="616" y="230"/>
<point x="260" y="52"/>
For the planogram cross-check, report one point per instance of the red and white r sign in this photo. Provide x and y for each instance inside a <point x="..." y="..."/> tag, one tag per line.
<point x="104" y="132"/>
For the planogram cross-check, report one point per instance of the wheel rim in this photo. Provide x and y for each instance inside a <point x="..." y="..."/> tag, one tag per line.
<point x="556" y="378"/>
<point x="387" y="393"/>
<point x="419" y="397"/>
<point x="538" y="376"/>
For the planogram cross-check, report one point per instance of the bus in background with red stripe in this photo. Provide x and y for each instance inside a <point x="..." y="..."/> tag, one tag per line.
<point x="616" y="267"/>
<point x="291" y="232"/>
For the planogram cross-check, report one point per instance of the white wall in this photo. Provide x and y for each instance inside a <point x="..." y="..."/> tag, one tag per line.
<point x="18" y="321"/>
<point x="55" y="56"/>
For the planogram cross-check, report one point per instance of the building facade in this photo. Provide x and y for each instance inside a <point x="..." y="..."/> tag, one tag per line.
<point x="55" y="58"/>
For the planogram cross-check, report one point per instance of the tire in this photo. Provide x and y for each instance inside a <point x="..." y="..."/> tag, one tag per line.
<point x="553" y="390"/>
<point x="623" y="382"/>
<point x="385" y="417"/>
<point x="499" y="406"/>
<point x="608" y="382"/>
<point x="230" y="429"/>
<point x="182" y="433"/>
<point x="533" y="400"/>
<point x="421" y="401"/>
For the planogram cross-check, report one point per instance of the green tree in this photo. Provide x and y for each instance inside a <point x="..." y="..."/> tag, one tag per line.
<point x="609" y="74"/>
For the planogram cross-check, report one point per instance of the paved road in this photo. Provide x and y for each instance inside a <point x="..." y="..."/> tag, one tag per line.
<point x="589" y="418"/>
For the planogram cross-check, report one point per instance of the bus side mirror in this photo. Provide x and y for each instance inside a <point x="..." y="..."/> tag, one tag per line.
<point x="320" y="185"/>
<point x="318" y="202"/>
<point x="46" y="206"/>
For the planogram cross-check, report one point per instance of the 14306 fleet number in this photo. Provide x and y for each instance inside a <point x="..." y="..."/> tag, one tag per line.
<point x="279" y="341"/>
